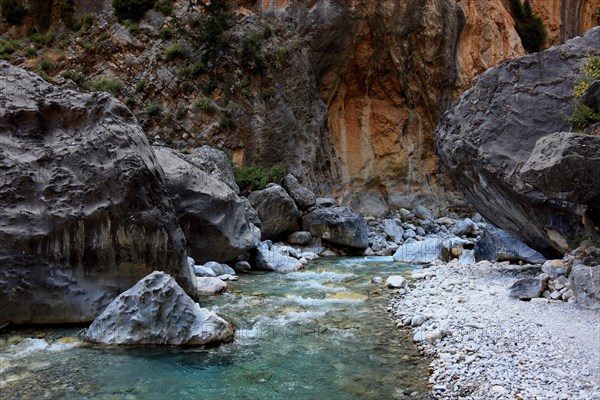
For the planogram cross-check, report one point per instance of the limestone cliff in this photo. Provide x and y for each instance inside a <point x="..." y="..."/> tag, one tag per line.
<point x="347" y="95"/>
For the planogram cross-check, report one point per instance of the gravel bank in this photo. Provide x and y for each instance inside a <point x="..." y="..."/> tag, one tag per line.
<point x="489" y="346"/>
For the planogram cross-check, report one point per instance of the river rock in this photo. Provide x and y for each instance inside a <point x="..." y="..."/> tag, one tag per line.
<point x="422" y="212"/>
<point x="212" y="216"/>
<point x="426" y="251"/>
<point x="84" y="211"/>
<point x="338" y="225"/>
<point x="208" y="286"/>
<point x="271" y="257"/>
<point x="464" y="227"/>
<point x="396" y="282"/>
<point x="527" y="288"/>
<point x="156" y="311"/>
<point x="498" y="245"/>
<point x="556" y="268"/>
<point x="201" y="270"/>
<point x="301" y="238"/>
<point x="242" y="266"/>
<point x="495" y="143"/>
<point x="277" y="211"/>
<point x="393" y="229"/>
<point x="585" y="283"/>
<point x="303" y="197"/>
<point x="219" y="269"/>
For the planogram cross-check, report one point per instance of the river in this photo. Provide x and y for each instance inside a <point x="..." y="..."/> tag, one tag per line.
<point x="322" y="333"/>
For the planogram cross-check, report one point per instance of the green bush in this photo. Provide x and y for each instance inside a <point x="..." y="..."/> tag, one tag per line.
<point x="13" y="12"/>
<point x="205" y="104"/>
<point x="131" y="9"/>
<point x="164" y="6"/>
<point x="252" y="57"/>
<point x="8" y="46"/>
<point x="72" y="75"/>
<point x="45" y="64"/>
<point x="131" y="26"/>
<point x="165" y="33"/>
<point x="583" y="115"/>
<point x="529" y="26"/>
<point x="174" y="51"/>
<point x="152" y="109"/>
<point x="107" y="85"/>
<point x="256" y="177"/>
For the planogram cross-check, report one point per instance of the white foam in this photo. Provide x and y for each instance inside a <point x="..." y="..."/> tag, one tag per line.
<point x="319" y="286"/>
<point x="319" y="276"/>
<point x="319" y="302"/>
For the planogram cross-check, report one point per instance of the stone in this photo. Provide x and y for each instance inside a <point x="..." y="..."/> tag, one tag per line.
<point x="208" y="286"/>
<point x="303" y="197"/>
<point x="338" y="225"/>
<point x="418" y="320"/>
<point x="228" y="277"/>
<point x="527" y="288"/>
<point x="419" y="336"/>
<point x="84" y="210"/>
<point x="215" y="163"/>
<point x="499" y="144"/>
<point x="212" y="216"/>
<point x="271" y="257"/>
<point x="498" y="245"/>
<point x="301" y="238"/>
<point x="219" y="269"/>
<point x="156" y="311"/>
<point x="464" y="227"/>
<point x="242" y="266"/>
<point x="409" y="234"/>
<point x="277" y="211"/>
<point x="321" y="202"/>
<point x="556" y="268"/>
<point x="201" y="270"/>
<point x="393" y="229"/>
<point x="585" y="283"/>
<point x="377" y="280"/>
<point x="422" y="212"/>
<point x="396" y="282"/>
<point x="426" y="251"/>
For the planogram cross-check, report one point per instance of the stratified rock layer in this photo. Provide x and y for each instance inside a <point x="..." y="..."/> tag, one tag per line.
<point x="495" y="144"/>
<point x="84" y="213"/>
<point x="156" y="311"/>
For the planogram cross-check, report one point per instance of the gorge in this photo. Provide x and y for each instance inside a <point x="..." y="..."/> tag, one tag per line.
<point x="214" y="141"/>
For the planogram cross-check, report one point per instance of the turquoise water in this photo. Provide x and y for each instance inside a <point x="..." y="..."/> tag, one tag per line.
<point x="322" y="333"/>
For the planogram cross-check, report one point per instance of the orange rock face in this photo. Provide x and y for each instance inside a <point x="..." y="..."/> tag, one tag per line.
<point x="566" y="18"/>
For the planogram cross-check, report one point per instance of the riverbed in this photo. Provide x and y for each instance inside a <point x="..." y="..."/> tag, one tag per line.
<point x="321" y="333"/>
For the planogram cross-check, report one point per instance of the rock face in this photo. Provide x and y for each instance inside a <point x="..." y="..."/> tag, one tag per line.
<point x="338" y="225"/>
<point x="566" y="19"/>
<point x="212" y="216"/>
<point x="277" y="211"/>
<point x="499" y="126"/>
<point x="215" y="163"/>
<point x="303" y="197"/>
<point x="84" y="212"/>
<point x="497" y="245"/>
<point x="156" y="311"/>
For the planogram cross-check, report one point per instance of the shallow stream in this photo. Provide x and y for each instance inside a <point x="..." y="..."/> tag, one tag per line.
<point x="322" y="333"/>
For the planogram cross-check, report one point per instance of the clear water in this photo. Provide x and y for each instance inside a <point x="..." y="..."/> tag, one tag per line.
<point x="318" y="334"/>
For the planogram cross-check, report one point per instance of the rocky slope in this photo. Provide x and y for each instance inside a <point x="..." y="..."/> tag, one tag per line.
<point x="347" y="96"/>
<point x="84" y="213"/>
<point x="500" y="146"/>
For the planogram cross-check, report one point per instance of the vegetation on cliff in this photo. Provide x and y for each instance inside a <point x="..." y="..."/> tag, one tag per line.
<point x="529" y="26"/>
<point x="583" y="114"/>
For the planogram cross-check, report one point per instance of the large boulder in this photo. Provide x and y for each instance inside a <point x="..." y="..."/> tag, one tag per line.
<point x="84" y="212"/>
<point x="493" y="144"/>
<point x="393" y="229"/>
<point x="212" y="216"/>
<point x="303" y="196"/>
<point x="277" y="211"/>
<point x="338" y="225"/>
<point x="426" y="251"/>
<point x="585" y="281"/>
<point x="215" y="163"/>
<point x="156" y="311"/>
<point x="498" y="245"/>
<point x="527" y="288"/>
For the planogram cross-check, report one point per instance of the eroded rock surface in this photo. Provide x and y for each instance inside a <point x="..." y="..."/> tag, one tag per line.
<point x="499" y="126"/>
<point x="84" y="212"/>
<point x="156" y="311"/>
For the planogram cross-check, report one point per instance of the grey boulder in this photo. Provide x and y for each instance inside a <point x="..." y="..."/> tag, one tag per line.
<point x="393" y="229"/>
<point x="497" y="245"/>
<point x="277" y="211"/>
<point x="215" y="163"/>
<point x="338" y="225"/>
<point x="303" y="196"/>
<point x="527" y="288"/>
<point x="426" y="251"/>
<point x="301" y="238"/>
<point x="464" y="227"/>
<point x="156" y="311"/>
<point x="220" y="269"/>
<point x="495" y="144"/>
<point x="84" y="210"/>
<point x="212" y="216"/>
<point x="585" y="282"/>
<point x="209" y="286"/>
